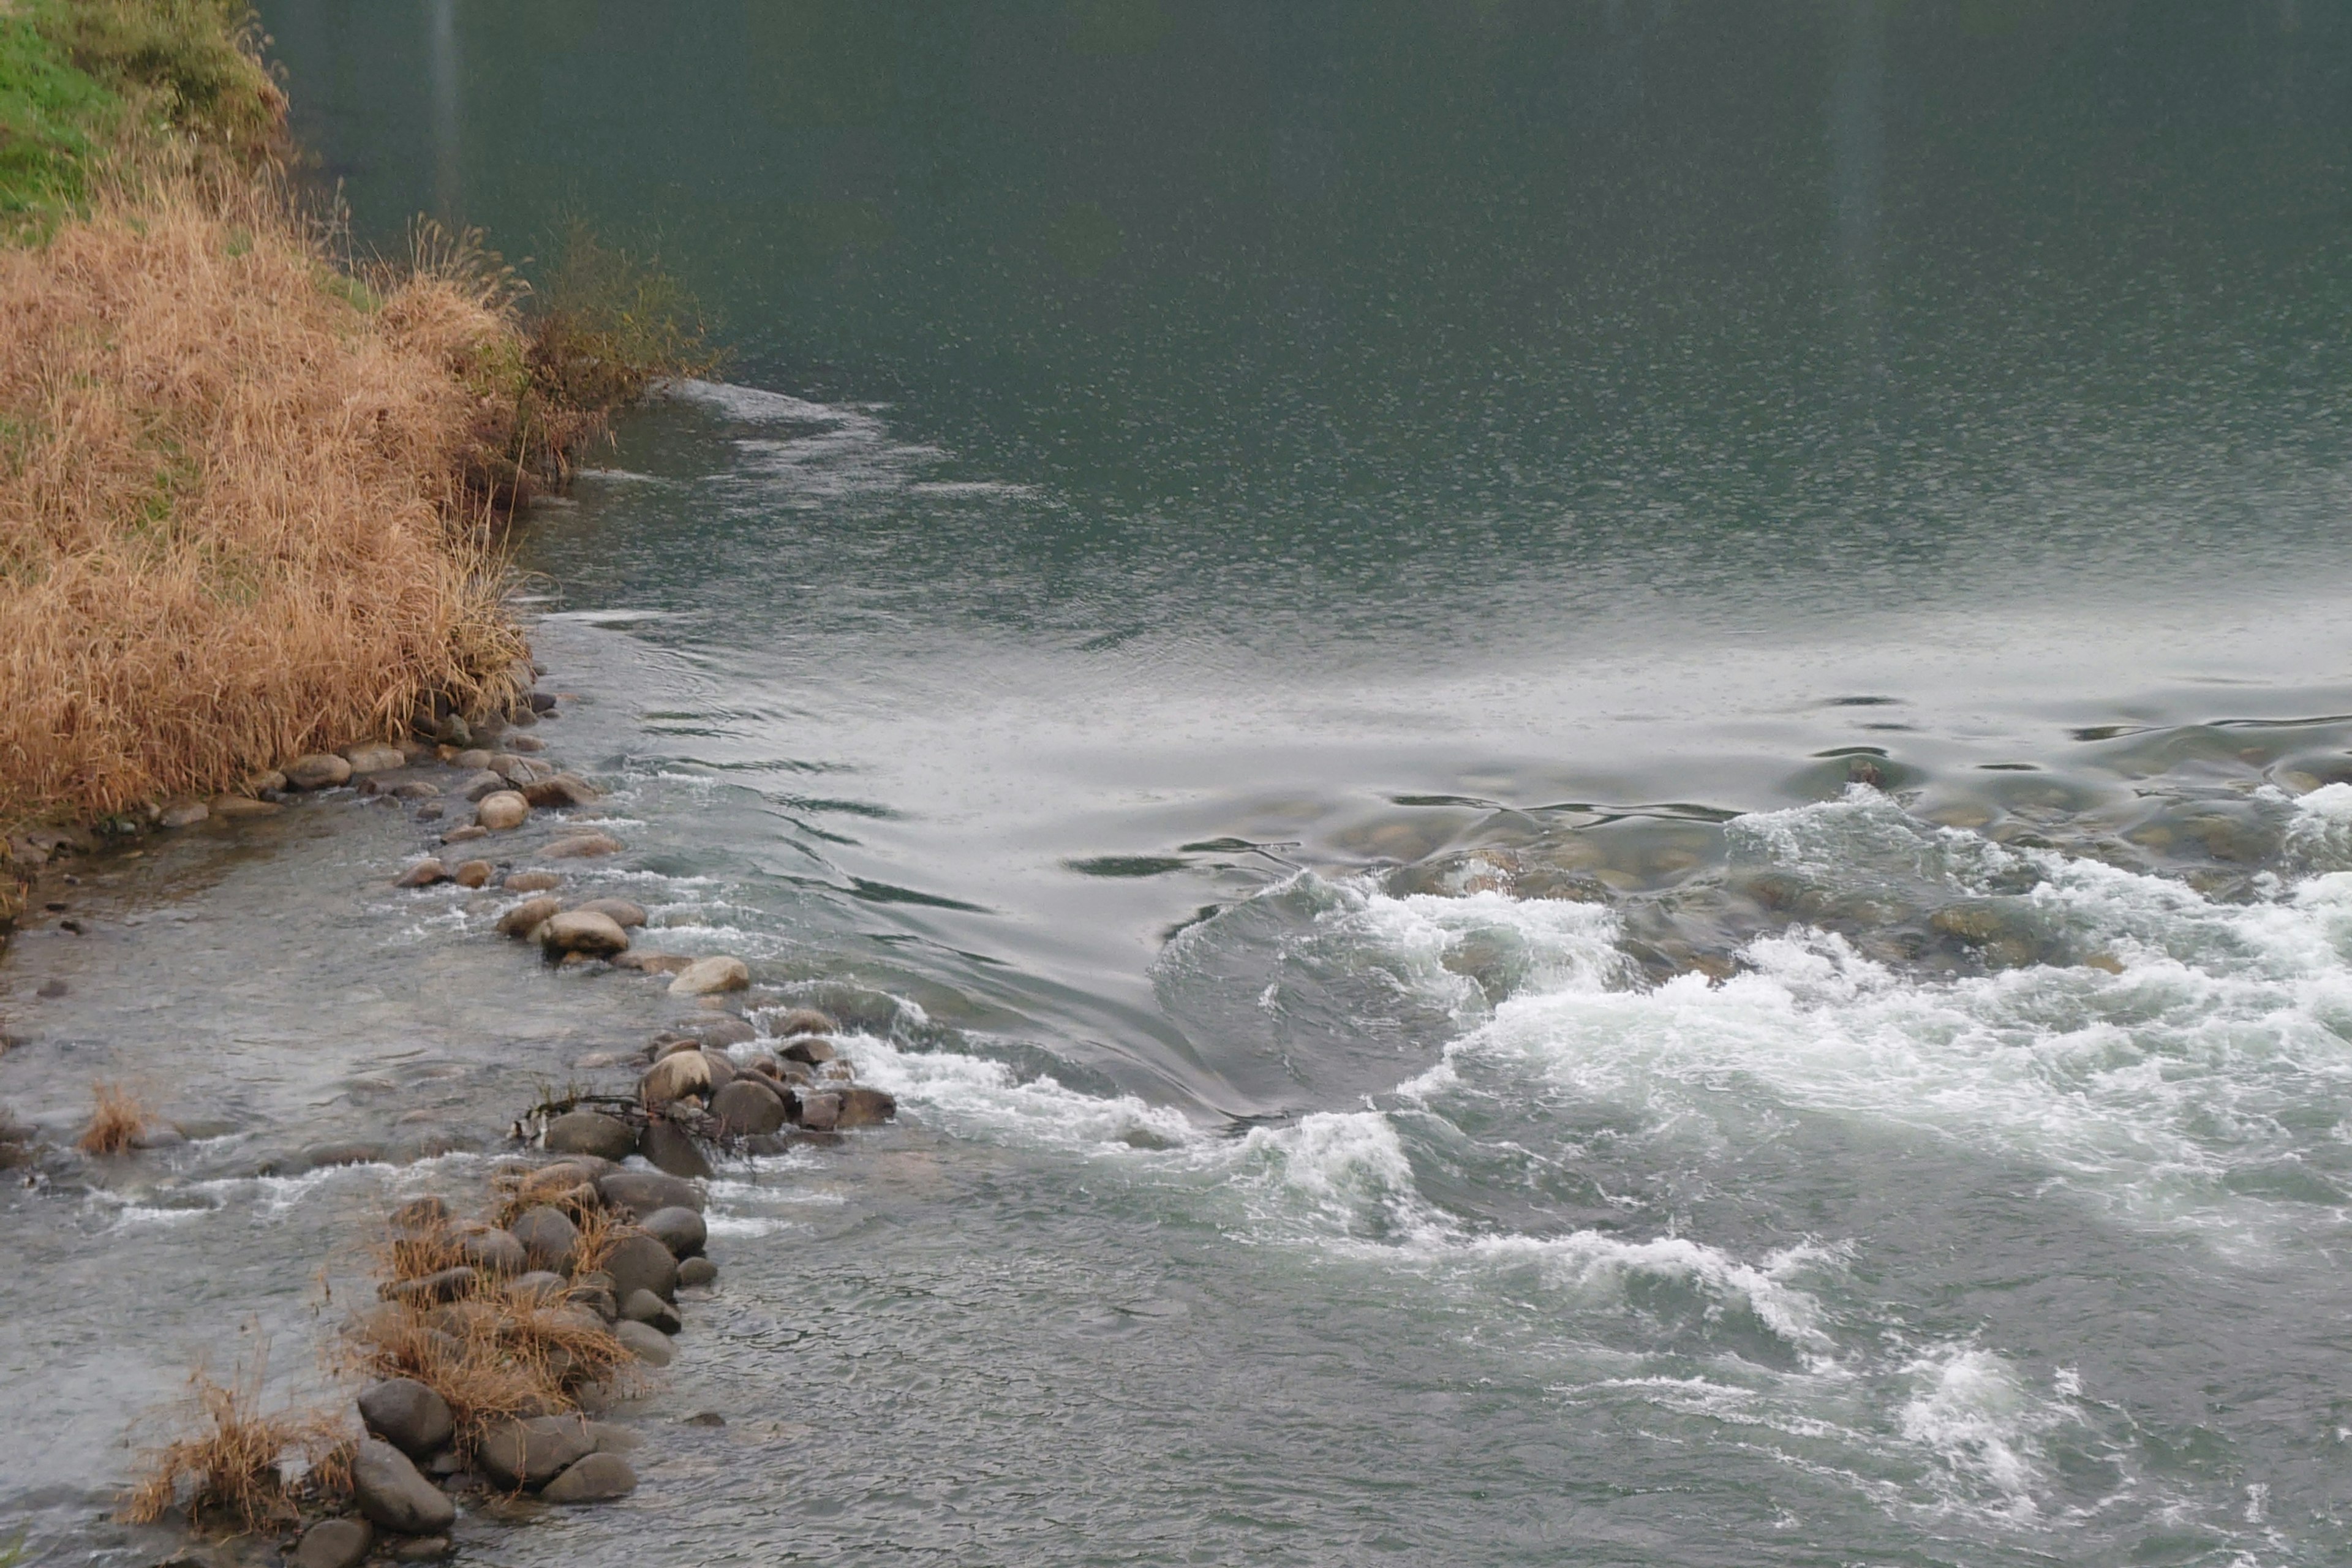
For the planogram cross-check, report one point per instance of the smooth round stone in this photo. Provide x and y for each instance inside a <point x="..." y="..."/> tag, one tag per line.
<point x="675" y="1076"/>
<point x="374" y="758"/>
<point x="502" y="810"/>
<point x="494" y="1251"/>
<point x="533" y="1452"/>
<point x="407" y="1415"/>
<point x="548" y="1238"/>
<point x="335" y="1544"/>
<point x="530" y="881"/>
<point x="696" y="1272"/>
<point x="640" y="1262"/>
<point x="747" y="1106"/>
<point x="592" y="1132"/>
<point x="646" y="1192"/>
<point x="320" y="769"/>
<point x="575" y="930"/>
<point x="678" y="1228"/>
<point x="583" y="846"/>
<point x="709" y="976"/>
<point x="394" y="1495"/>
<point x="670" y="1148"/>
<point x="649" y="1345"/>
<point x="424" y="874"/>
<point x="528" y="916"/>
<point x="599" y="1478"/>
<point x="473" y="874"/>
<point x="644" y="1307"/>
<point x="620" y="911"/>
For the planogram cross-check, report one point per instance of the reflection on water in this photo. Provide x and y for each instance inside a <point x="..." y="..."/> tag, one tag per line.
<point x="1584" y="766"/>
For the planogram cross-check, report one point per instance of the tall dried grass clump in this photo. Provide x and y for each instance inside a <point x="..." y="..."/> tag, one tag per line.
<point x="234" y="516"/>
<point x="117" y="1119"/>
<point x="241" y="1465"/>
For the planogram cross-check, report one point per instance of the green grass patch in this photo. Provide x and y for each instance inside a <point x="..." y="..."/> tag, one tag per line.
<point x="50" y="115"/>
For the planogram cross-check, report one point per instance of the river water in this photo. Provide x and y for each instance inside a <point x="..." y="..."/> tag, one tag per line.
<point x="1584" y="766"/>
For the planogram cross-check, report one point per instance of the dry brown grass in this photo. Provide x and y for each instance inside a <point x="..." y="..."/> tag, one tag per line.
<point x="230" y="1470"/>
<point x="491" y="1357"/>
<point x="235" y="522"/>
<point x="117" y="1119"/>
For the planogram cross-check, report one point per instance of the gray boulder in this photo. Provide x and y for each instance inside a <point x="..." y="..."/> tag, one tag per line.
<point x="533" y="1452"/>
<point x="820" y="1112"/>
<point x="679" y="1229"/>
<point x="649" y="1345"/>
<point x="392" y="1494"/>
<point x="599" y="1478"/>
<point x="591" y="1132"/>
<point x="493" y="1251"/>
<point x="541" y="1286"/>
<point x="639" y="1262"/>
<point x="407" y="1415"/>
<point x="644" y="1307"/>
<point x="548" y="1238"/>
<point x="644" y="1192"/>
<point x="335" y="1544"/>
<point x="692" y="1272"/>
<point x="748" y="1106"/>
<point x="669" y="1147"/>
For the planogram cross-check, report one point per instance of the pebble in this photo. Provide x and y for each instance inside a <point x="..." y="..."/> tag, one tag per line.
<point x="502" y="810"/>
<point x="705" y="976"/>
<point x="394" y="1495"/>
<point x="598" y="1477"/>
<point x="530" y="881"/>
<point x="583" y="846"/>
<point x="335" y="1544"/>
<point x="407" y="1415"/>
<point x="320" y="769"/>
<point x="649" y="1345"/>
<point x="424" y="874"/>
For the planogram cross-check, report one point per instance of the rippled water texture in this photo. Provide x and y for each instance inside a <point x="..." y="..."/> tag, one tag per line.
<point x="1587" y="770"/>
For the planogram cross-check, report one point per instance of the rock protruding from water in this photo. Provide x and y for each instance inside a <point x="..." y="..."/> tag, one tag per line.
<point x="394" y="1495"/>
<point x="583" y="846"/>
<point x="710" y="977"/>
<point x="592" y="1132"/>
<point x="804" y="1021"/>
<point x="581" y="931"/>
<point x="559" y="791"/>
<point x="502" y="810"/>
<point x="644" y="1307"/>
<point x="530" y="1453"/>
<point x="648" y="1191"/>
<point x="670" y="1147"/>
<point x="407" y="1415"/>
<point x="597" y="1477"/>
<point x="529" y="916"/>
<point x="620" y="911"/>
<point x="640" y="1262"/>
<point x="648" y="1345"/>
<point x="679" y="1229"/>
<point x="863" y="1107"/>
<point x="320" y="769"/>
<point x="747" y="1106"/>
<point x="335" y="1544"/>
<point x="424" y="874"/>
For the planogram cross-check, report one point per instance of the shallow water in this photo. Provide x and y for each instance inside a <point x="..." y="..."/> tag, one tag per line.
<point x="1584" y="768"/>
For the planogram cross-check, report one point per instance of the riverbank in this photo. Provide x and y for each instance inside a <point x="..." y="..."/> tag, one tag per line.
<point x="255" y="490"/>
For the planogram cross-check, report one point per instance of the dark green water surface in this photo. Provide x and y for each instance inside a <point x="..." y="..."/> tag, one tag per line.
<point x="1586" y="767"/>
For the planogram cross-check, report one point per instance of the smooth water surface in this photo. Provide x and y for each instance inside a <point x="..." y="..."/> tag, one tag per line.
<point x="1585" y="766"/>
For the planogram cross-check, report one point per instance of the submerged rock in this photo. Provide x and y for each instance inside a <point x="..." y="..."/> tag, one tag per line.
<point x="407" y="1415"/>
<point x="654" y="963"/>
<point x="644" y="1307"/>
<point x="231" y="807"/>
<point x="707" y="976"/>
<point x="598" y="1477"/>
<point x="583" y="846"/>
<point x="530" y="881"/>
<point x="804" y="1021"/>
<point x="393" y="1495"/>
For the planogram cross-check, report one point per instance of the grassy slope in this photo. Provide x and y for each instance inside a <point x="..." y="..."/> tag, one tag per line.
<point x="52" y="115"/>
